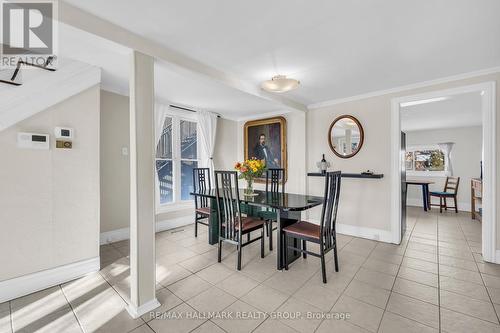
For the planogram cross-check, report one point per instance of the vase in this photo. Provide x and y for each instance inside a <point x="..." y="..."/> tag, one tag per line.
<point x="249" y="189"/>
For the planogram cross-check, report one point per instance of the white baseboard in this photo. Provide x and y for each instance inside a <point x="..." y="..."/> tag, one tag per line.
<point x="364" y="232"/>
<point x="30" y="283"/>
<point x="462" y="206"/>
<point x="136" y="312"/>
<point x="124" y="233"/>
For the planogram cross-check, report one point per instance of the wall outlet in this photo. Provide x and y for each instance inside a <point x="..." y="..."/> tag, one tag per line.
<point x="124" y="151"/>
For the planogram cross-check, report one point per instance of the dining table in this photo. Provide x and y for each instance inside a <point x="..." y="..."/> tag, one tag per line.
<point x="426" y="198"/>
<point x="288" y="208"/>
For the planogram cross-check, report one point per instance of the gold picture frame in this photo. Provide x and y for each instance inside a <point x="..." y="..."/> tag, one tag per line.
<point x="274" y="131"/>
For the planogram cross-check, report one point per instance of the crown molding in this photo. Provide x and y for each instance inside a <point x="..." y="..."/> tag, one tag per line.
<point x="418" y="85"/>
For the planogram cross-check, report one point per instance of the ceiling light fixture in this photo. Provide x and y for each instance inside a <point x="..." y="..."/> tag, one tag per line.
<point x="280" y="84"/>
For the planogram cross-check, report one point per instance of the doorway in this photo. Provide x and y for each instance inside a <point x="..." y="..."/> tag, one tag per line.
<point x="488" y="119"/>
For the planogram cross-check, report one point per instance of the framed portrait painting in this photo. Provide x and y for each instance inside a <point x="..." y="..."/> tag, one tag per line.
<point x="265" y="139"/>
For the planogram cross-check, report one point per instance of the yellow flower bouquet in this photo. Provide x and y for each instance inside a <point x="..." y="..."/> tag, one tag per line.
<point x="249" y="170"/>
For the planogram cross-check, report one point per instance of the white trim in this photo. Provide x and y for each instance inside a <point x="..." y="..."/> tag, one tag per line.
<point x="117" y="235"/>
<point x="497" y="255"/>
<point x="405" y="87"/>
<point x="414" y="202"/>
<point x="489" y="160"/>
<point x="364" y="232"/>
<point x="30" y="283"/>
<point x="261" y="115"/>
<point x="136" y="312"/>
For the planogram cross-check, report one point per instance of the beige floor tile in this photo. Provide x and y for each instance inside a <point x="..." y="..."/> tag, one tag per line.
<point x="418" y="276"/>
<point x="189" y="287"/>
<point x="490" y="269"/>
<point x="80" y="290"/>
<point x="494" y="294"/>
<point x="491" y="281"/>
<point x="302" y="322"/>
<point x="392" y="323"/>
<point x="196" y="263"/>
<point x="472" y="307"/>
<point x="381" y="266"/>
<point x="361" y="314"/>
<point x="416" y="290"/>
<point x="260" y="270"/>
<point x="215" y="273"/>
<point x="368" y="293"/>
<point x="237" y="284"/>
<point x="287" y="282"/>
<point x="105" y="312"/>
<point x="166" y="275"/>
<point x="454" y="322"/>
<point x="460" y="274"/>
<point x="181" y="319"/>
<point x="461" y="254"/>
<point x="58" y="321"/>
<point x="167" y="300"/>
<point x="213" y="299"/>
<point x="320" y="296"/>
<point x="208" y="327"/>
<point x="421" y="255"/>
<point x="460" y="263"/>
<point x="339" y="325"/>
<point x="414" y="309"/>
<point x="420" y="265"/>
<point x="5" y="322"/>
<point x="265" y="298"/>
<point x="274" y="326"/>
<point x="465" y="288"/>
<point x="422" y="247"/>
<point x="374" y="278"/>
<point x="245" y="318"/>
<point x="387" y="257"/>
<point x="143" y="329"/>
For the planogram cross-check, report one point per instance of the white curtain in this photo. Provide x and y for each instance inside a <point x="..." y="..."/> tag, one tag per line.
<point x="160" y="116"/>
<point x="208" y="129"/>
<point x="446" y="148"/>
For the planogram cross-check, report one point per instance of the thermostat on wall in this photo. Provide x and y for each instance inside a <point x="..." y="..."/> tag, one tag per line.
<point x="33" y="141"/>
<point x="64" y="133"/>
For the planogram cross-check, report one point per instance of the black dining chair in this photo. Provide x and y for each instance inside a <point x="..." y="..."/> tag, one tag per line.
<point x="232" y="225"/>
<point x="201" y="183"/>
<point x="275" y="185"/>
<point x="323" y="234"/>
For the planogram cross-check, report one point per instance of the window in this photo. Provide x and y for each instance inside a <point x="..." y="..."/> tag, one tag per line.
<point x="425" y="159"/>
<point x="176" y="156"/>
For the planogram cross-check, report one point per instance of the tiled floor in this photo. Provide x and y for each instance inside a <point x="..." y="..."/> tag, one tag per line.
<point x="436" y="280"/>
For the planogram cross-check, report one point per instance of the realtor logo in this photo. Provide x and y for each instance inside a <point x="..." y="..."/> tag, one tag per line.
<point x="28" y="31"/>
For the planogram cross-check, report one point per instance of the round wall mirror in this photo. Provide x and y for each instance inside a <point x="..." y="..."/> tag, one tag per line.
<point x="345" y="136"/>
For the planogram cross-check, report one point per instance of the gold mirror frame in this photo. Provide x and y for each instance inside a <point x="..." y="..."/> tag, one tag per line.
<point x="361" y="135"/>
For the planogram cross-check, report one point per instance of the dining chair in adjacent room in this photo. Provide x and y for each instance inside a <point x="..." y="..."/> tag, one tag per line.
<point x="275" y="185"/>
<point x="232" y="225"/>
<point x="201" y="183"/>
<point x="450" y="191"/>
<point x="323" y="234"/>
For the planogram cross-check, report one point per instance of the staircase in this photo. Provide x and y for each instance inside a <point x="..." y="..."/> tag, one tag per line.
<point x="33" y="88"/>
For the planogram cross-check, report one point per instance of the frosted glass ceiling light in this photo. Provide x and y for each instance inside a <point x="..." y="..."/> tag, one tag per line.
<point x="280" y="84"/>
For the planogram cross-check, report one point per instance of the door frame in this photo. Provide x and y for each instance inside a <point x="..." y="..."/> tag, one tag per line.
<point x="488" y="106"/>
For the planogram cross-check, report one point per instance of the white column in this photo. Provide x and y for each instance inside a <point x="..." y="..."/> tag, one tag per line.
<point x="142" y="182"/>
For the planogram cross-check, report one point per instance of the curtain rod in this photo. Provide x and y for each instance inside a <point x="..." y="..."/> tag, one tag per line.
<point x="186" y="109"/>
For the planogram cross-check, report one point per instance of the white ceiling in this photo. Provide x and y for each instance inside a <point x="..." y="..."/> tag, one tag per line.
<point x="336" y="48"/>
<point x="456" y="111"/>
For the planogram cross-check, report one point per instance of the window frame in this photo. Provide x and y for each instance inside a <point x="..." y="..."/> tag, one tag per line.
<point x="426" y="173"/>
<point x="177" y="203"/>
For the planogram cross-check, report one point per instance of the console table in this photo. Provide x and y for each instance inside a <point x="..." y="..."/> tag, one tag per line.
<point x="349" y="175"/>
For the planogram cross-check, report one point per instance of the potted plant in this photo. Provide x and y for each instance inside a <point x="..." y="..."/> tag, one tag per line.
<point x="249" y="170"/>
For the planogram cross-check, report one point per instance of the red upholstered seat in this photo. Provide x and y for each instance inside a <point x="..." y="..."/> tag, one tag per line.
<point x="249" y="223"/>
<point x="303" y="228"/>
<point x="203" y="210"/>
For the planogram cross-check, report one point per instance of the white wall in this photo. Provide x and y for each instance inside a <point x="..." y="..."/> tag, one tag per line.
<point x="465" y="158"/>
<point x="365" y="204"/>
<point x="49" y="199"/>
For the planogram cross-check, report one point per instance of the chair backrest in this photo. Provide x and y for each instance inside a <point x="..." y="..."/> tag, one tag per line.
<point x="330" y="205"/>
<point x="201" y="183"/>
<point x="451" y="184"/>
<point x="228" y="204"/>
<point x="275" y="176"/>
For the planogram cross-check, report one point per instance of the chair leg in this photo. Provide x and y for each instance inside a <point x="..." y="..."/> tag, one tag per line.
<point x="456" y="207"/>
<point x="239" y="257"/>
<point x="248" y="237"/>
<point x="262" y="241"/>
<point x="195" y="225"/>
<point x="323" y="267"/>
<point x="445" y="204"/>
<point x="440" y="204"/>
<point x="219" y="258"/>
<point x="304" y="247"/>
<point x="270" y="234"/>
<point x="285" y="248"/>
<point x="335" y="256"/>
